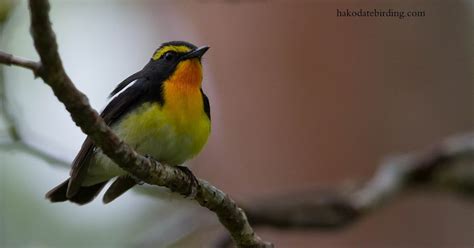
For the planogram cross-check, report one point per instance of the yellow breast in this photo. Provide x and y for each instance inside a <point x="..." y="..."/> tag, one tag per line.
<point x="168" y="136"/>
<point x="177" y="130"/>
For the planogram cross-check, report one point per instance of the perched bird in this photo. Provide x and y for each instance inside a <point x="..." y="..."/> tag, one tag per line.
<point x="160" y="111"/>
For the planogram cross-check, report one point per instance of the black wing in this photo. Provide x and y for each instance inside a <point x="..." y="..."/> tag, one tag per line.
<point x="126" y="82"/>
<point x="207" y="106"/>
<point x="119" y="106"/>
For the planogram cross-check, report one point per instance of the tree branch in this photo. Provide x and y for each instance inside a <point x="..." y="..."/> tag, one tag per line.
<point x="9" y="59"/>
<point x="150" y="171"/>
<point x="448" y="165"/>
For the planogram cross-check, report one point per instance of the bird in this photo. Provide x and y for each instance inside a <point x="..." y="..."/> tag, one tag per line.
<point x="161" y="111"/>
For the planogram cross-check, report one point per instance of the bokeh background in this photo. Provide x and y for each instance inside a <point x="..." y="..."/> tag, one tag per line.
<point x="300" y="99"/>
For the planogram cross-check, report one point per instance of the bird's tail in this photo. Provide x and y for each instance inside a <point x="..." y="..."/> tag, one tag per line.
<point x="84" y="194"/>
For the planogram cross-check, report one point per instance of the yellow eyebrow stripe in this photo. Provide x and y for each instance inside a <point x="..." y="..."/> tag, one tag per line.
<point x="163" y="50"/>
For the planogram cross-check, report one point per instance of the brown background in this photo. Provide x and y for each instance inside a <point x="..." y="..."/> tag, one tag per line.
<point x="308" y="99"/>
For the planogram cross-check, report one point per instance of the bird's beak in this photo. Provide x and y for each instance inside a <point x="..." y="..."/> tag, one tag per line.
<point x="197" y="53"/>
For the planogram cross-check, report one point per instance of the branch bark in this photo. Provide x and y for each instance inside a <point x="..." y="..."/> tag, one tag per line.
<point x="51" y="70"/>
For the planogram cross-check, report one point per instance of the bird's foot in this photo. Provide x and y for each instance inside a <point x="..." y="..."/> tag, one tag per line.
<point x="137" y="180"/>
<point x="194" y="181"/>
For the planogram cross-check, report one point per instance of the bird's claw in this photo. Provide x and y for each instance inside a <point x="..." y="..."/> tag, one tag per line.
<point x="148" y="156"/>
<point x="137" y="180"/>
<point x="194" y="181"/>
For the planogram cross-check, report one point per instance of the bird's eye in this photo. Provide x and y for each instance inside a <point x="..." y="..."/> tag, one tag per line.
<point x="169" y="56"/>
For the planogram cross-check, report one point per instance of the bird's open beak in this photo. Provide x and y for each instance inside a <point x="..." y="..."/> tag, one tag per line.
<point x="197" y="53"/>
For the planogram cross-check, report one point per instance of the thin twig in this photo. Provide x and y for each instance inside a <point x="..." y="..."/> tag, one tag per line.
<point x="148" y="170"/>
<point x="8" y="59"/>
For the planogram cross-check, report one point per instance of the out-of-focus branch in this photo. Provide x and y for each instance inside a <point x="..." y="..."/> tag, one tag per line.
<point x="148" y="170"/>
<point x="16" y="143"/>
<point x="448" y="165"/>
<point x="19" y="146"/>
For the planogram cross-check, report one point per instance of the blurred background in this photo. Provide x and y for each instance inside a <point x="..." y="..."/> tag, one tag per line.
<point x="300" y="99"/>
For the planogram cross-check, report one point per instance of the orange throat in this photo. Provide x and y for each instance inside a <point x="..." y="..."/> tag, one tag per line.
<point x="188" y="74"/>
<point x="182" y="91"/>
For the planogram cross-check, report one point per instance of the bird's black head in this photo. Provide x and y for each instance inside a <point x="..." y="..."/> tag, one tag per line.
<point x="178" y="59"/>
<point x="169" y="55"/>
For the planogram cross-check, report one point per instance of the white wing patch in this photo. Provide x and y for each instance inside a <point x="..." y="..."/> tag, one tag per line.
<point x="121" y="91"/>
